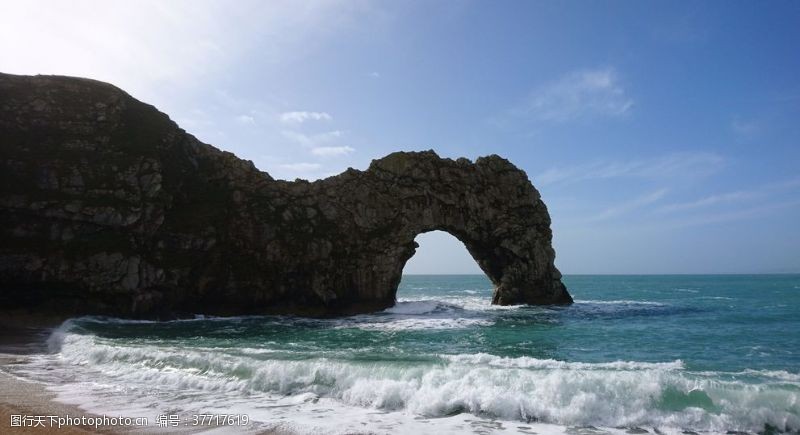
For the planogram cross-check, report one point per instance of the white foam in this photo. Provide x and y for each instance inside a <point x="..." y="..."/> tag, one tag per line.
<point x="620" y="302"/>
<point x="423" y="306"/>
<point x="419" y="324"/>
<point x="550" y="364"/>
<point x="419" y="314"/>
<point x="780" y="375"/>
<point x="148" y="378"/>
<point x="470" y="303"/>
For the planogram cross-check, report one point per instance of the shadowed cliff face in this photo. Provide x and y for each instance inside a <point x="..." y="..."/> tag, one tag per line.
<point x="108" y="207"/>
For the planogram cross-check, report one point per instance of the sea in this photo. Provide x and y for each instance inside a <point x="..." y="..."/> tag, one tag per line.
<point x="676" y="354"/>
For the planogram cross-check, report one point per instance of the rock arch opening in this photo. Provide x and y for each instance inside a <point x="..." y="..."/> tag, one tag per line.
<point x="440" y="269"/>
<point x="440" y="253"/>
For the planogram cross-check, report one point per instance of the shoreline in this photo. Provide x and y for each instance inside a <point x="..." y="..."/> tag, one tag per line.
<point x="19" y="397"/>
<point x="23" y="397"/>
<point x="24" y="335"/>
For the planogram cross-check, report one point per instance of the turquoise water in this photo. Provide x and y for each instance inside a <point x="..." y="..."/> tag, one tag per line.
<point x="702" y="353"/>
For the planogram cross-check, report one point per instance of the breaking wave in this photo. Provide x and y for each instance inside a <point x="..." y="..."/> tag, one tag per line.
<point x="609" y="394"/>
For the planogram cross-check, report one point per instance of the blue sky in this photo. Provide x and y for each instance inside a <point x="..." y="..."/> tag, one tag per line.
<point x="663" y="136"/>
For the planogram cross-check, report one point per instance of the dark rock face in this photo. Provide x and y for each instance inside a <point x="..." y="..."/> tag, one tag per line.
<point x="108" y="207"/>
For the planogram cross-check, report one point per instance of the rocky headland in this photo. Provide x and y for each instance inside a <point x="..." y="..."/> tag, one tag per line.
<point x="108" y="207"/>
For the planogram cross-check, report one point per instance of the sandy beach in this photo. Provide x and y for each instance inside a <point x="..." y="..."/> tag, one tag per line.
<point x="28" y="407"/>
<point x="20" y="336"/>
<point x="21" y="398"/>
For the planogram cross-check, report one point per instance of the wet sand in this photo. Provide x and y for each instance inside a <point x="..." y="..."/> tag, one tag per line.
<point x="25" y="398"/>
<point x="22" y="335"/>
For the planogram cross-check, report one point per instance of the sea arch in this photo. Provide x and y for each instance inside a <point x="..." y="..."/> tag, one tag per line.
<point x="490" y="206"/>
<point x="111" y="208"/>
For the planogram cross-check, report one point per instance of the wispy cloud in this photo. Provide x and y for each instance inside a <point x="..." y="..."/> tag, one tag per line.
<point x="759" y="211"/>
<point x="332" y="151"/>
<point x="709" y="201"/>
<point x="301" y="167"/>
<point x="745" y="128"/>
<point x="301" y="117"/>
<point x="672" y="165"/>
<point x="316" y="143"/>
<point x="628" y="206"/>
<point x="245" y="119"/>
<point x="578" y="94"/>
<point x="374" y="75"/>
<point x="148" y="46"/>
<point x="311" y="140"/>
<point x="733" y="197"/>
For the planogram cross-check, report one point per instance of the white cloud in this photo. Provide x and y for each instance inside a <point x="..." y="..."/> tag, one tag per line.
<point x="374" y="75"/>
<point x="629" y="206"/>
<point x="709" y="201"/>
<point x="301" y="167"/>
<point x="301" y="117"/>
<point x="745" y="128"/>
<point x="149" y="47"/>
<point x="755" y="212"/>
<point x="245" y="119"/>
<point x="311" y="140"/>
<point x="733" y="197"/>
<point x="578" y="94"/>
<point x="672" y="165"/>
<point x="332" y="151"/>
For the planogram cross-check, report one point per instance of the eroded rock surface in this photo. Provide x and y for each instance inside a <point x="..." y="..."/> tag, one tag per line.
<point x="107" y="206"/>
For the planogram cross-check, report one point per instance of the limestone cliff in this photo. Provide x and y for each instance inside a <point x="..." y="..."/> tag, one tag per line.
<point x="108" y="207"/>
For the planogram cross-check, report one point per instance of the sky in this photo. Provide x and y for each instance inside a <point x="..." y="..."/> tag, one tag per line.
<point x="663" y="136"/>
